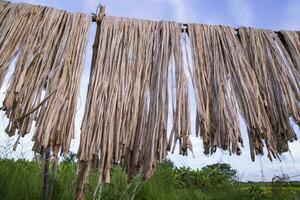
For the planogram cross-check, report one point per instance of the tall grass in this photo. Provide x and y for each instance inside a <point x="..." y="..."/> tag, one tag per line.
<point x="22" y="179"/>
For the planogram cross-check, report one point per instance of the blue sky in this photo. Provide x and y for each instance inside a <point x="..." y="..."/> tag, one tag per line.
<point x="267" y="14"/>
<point x="270" y="14"/>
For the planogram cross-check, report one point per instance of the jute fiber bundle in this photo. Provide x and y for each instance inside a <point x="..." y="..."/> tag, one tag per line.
<point x="225" y="85"/>
<point x="126" y="113"/>
<point x="278" y="79"/>
<point x="49" y="46"/>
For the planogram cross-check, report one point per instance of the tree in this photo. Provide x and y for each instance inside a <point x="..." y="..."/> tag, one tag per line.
<point x="223" y="169"/>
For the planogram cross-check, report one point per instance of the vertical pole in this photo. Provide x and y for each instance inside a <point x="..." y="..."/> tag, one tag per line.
<point x="82" y="178"/>
<point x="84" y="166"/>
<point x="54" y="172"/>
<point x="46" y="174"/>
<point x="98" y="20"/>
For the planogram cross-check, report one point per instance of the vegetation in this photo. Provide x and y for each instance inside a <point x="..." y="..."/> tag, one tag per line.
<point x="22" y="179"/>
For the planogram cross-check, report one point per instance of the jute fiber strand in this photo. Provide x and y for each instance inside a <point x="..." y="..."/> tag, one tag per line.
<point x="278" y="80"/>
<point x="13" y="19"/>
<point x="125" y="121"/>
<point x="291" y="42"/>
<point x="50" y="46"/>
<point x="225" y="85"/>
<point x="181" y="129"/>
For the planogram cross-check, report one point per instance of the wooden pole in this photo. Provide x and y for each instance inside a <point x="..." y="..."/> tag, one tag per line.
<point x="95" y="18"/>
<point x="54" y="172"/>
<point x="83" y="165"/>
<point x="98" y="20"/>
<point x="46" y="174"/>
<point x="82" y="179"/>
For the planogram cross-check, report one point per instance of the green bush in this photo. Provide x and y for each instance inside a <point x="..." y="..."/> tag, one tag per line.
<point x="256" y="193"/>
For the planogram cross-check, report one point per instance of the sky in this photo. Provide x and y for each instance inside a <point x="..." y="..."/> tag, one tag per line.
<point x="267" y="14"/>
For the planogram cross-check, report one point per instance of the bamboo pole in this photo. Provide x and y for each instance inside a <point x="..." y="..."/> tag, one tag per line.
<point x="85" y="166"/>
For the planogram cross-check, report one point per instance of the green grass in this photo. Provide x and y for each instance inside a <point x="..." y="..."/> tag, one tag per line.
<point x="23" y="180"/>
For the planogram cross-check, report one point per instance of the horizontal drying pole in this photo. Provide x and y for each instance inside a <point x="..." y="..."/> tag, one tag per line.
<point x="184" y="26"/>
<point x="95" y="18"/>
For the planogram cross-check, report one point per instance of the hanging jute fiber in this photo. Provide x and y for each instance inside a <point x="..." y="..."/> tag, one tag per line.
<point x="256" y="79"/>
<point x="278" y="80"/>
<point x="126" y="114"/>
<point x="49" y="46"/>
<point x="141" y="70"/>
<point x="225" y="87"/>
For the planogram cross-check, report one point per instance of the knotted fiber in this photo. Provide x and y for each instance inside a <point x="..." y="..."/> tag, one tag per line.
<point x="49" y="46"/>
